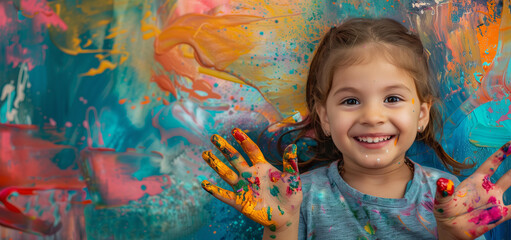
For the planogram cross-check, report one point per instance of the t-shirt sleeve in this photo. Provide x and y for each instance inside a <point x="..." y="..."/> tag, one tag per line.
<point x="302" y="228"/>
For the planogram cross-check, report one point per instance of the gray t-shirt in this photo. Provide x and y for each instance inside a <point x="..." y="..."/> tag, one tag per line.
<point x="331" y="209"/>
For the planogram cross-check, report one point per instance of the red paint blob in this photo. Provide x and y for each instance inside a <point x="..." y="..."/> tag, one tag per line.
<point x="445" y="187"/>
<point x="487" y="184"/>
<point x="238" y="135"/>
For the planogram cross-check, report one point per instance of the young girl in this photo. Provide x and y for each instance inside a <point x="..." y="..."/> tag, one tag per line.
<point x="369" y="95"/>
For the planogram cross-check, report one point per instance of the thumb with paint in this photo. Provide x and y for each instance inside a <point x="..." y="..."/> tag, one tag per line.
<point x="444" y="191"/>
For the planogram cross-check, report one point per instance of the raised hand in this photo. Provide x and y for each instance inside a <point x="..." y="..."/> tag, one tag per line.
<point x="476" y="205"/>
<point x="261" y="192"/>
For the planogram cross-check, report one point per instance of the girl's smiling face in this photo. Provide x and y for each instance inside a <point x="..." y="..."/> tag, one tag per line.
<point x="372" y="113"/>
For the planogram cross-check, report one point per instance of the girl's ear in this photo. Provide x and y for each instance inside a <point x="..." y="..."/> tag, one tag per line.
<point x="325" y="125"/>
<point x="424" y="115"/>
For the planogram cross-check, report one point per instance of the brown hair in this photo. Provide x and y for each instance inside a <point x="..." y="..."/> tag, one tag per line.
<point x="340" y="47"/>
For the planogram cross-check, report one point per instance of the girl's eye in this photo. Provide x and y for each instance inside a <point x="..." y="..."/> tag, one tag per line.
<point x="392" y="99"/>
<point x="350" y="101"/>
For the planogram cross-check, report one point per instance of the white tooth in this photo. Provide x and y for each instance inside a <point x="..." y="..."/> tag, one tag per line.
<point x="369" y="140"/>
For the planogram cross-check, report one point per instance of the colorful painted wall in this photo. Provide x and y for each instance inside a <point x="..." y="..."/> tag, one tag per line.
<point x="106" y="105"/>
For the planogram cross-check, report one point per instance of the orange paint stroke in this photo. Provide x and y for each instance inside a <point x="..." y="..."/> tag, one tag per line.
<point x="217" y="40"/>
<point x="164" y="83"/>
<point x="399" y="217"/>
<point x="122" y="101"/>
<point x="462" y="195"/>
<point x="421" y="220"/>
<point x="193" y="44"/>
<point x="146" y="101"/>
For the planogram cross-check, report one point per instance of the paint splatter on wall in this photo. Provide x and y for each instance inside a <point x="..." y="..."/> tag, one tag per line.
<point x="106" y="106"/>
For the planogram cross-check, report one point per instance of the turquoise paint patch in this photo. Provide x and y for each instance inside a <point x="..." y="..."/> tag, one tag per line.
<point x="274" y="191"/>
<point x="246" y="174"/>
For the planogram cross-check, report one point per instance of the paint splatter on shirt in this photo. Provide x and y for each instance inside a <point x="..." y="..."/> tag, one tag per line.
<point x="331" y="209"/>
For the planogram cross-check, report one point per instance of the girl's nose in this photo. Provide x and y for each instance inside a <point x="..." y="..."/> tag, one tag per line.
<point x="373" y="114"/>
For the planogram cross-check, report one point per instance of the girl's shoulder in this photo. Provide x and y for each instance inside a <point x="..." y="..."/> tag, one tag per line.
<point x="320" y="174"/>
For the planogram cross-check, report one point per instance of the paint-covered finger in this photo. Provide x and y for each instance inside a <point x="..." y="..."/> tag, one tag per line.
<point x="223" y="170"/>
<point x="493" y="162"/>
<point x="505" y="181"/>
<point x="221" y="194"/>
<point x="250" y="148"/>
<point x="290" y="160"/>
<point x="234" y="157"/>
<point x="444" y="191"/>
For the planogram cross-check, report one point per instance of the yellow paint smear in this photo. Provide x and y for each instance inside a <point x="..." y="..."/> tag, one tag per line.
<point x="103" y="65"/>
<point x="220" y="75"/>
<point x="150" y="30"/>
<point x="248" y="203"/>
<point x="223" y="170"/>
<point x="114" y="34"/>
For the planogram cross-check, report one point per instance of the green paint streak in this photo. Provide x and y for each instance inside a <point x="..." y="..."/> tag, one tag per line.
<point x="242" y="184"/>
<point x="440" y="210"/>
<point x="274" y="191"/>
<point x="273" y="236"/>
<point x="269" y="213"/>
<point x="289" y="224"/>
<point x="281" y="212"/>
<point x="294" y="182"/>
<point x="246" y="174"/>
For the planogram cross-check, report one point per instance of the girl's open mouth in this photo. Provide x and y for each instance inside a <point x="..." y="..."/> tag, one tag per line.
<point x="375" y="142"/>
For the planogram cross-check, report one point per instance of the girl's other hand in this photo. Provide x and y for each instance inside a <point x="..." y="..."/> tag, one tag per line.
<point x="476" y="205"/>
<point x="261" y="192"/>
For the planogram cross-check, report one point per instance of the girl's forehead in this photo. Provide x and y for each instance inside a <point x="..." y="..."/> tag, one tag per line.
<point x="375" y="73"/>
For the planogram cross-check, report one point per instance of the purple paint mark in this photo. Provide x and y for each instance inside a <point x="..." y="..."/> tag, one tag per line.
<point x="487" y="184"/>
<point x="428" y="205"/>
<point x="488" y="216"/>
